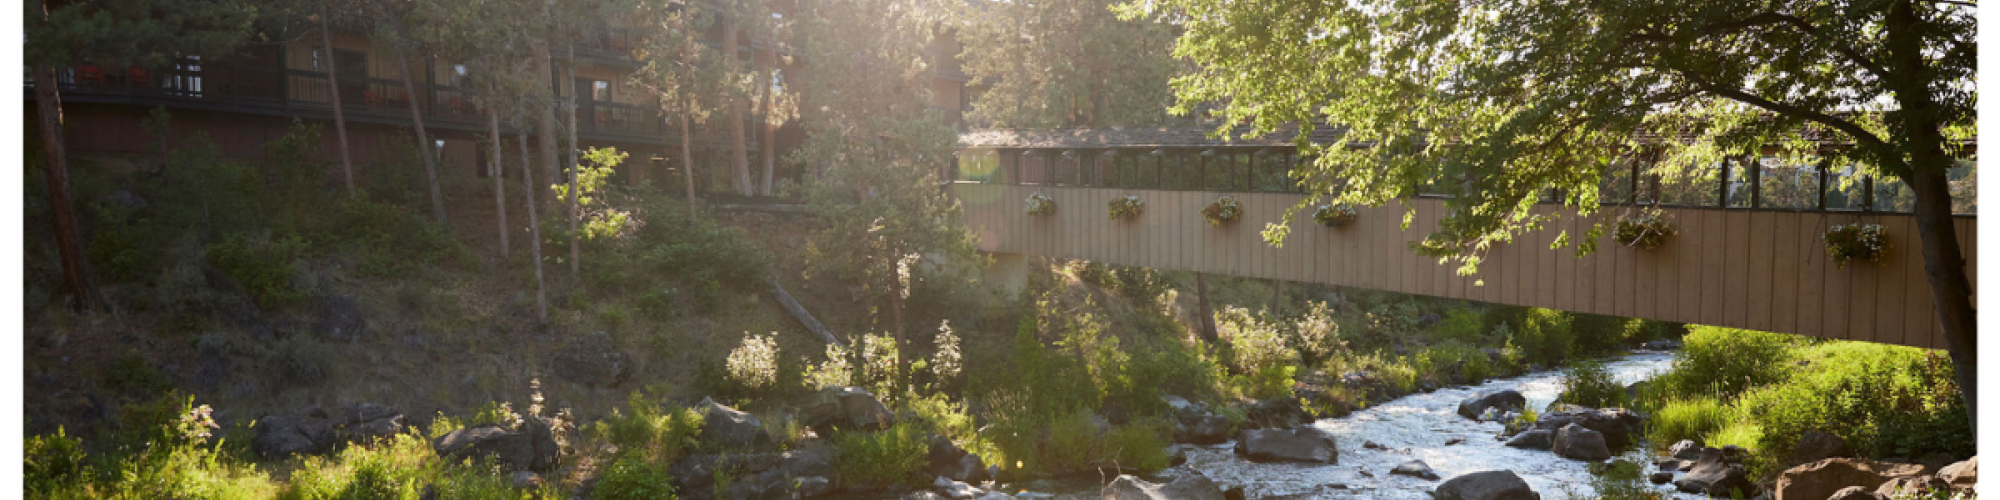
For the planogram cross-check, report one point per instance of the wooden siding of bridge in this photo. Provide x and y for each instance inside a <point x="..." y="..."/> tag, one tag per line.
<point x="1761" y="270"/>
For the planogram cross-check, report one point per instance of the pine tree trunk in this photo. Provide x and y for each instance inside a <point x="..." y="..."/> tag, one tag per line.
<point x="69" y="247"/>
<point x="333" y="83"/>
<point x="770" y="133"/>
<point x="687" y="167"/>
<point x="575" y="207"/>
<point x="495" y="170"/>
<point x="424" y="146"/>
<point x="534" y="231"/>
<point x="1201" y="307"/>
<point x="739" y="159"/>
<point x="546" y="133"/>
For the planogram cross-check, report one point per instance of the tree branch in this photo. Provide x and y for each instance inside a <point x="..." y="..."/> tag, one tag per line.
<point x="1777" y="18"/>
<point x="1861" y="136"/>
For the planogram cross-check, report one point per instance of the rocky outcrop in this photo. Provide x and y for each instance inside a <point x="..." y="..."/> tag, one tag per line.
<point x="1686" y="449"/>
<point x="1303" y="443"/>
<point x="1714" y="476"/>
<point x="280" y="436"/>
<point x="850" y="408"/>
<point x="316" y="431"/>
<point x="1196" y="423"/>
<point x="1961" y="476"/>
<point x="1504" y="399"/>
<point x="1487" y="485"/>
<point x="1821" y="479"/>
<point x="799" y="473"/>
<point x="1189" y="487"/>
<point x="1580" y="443"/>
<point x="1619" y="426"/>
<point x="730" y="427"/>
<point x="1538" y="439"/>
<point x="1277" y="413"/>
<point x="955" y="490"/>
<point x="1906" y="487"/>
<point x="533" y="448"/>
<point x="1416" y="469"/>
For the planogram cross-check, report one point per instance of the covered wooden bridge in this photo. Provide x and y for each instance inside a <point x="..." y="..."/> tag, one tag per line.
<point x="1748" y="254"/>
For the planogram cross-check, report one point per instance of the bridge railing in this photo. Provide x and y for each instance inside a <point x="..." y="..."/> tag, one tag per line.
<point x="1760" y="184"/>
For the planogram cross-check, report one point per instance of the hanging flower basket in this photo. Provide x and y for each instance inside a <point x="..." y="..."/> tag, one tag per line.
<point x="1126" y="207"/>
<point x="1648" y="230"/>
<point x="1334" y="215"/>
<point x="1041" y="204"/>
<point x="1222" y="210"/>
<point x="1856" y="241"/>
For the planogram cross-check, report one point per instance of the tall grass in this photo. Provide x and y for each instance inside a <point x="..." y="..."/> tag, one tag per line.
<point x="1688" y="418"/>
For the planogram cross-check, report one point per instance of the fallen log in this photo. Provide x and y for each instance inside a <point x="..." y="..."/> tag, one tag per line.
<point x="799" y="313"/>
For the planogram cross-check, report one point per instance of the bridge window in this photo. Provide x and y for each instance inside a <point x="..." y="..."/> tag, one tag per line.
<point x="1964" y="198"/>
<point x="1893" y="195"/>
<point x="1846" y="188"/>
<point x="1787" y="186"/>
<point x="1616" y="187"/>
<point x="1691" y="186"/>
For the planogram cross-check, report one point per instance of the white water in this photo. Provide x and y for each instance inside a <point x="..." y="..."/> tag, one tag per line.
<point x="1417" y="427"/>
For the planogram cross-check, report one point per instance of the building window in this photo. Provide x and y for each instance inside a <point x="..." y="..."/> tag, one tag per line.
<point x="600" y="91"/>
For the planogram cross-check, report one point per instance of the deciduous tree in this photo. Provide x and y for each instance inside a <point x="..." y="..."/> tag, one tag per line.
<point x="1506" y="100"/>
<point x="1065" y="63"/>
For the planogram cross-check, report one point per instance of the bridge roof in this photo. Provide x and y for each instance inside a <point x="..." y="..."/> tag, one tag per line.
<point x="1134" y="137"/>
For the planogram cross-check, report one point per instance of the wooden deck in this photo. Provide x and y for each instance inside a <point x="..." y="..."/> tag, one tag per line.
<point x="1755" y="269"/>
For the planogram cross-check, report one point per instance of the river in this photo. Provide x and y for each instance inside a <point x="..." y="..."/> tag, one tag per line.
<point x="1416" y="426"/>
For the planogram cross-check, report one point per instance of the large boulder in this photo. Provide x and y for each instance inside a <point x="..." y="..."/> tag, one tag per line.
<point x="1189" y="487"/>
<point x="1580" y="443"/>
<point x="846" y="408"/>
<point x="1619" y="426"/>
<point x="729" y="426"/>
<point x="369" y="422"/>
<point x="1907" y="487"/>
<point x="1821" y="479"/>
<point x="1961" y="476"/>
<point x="1815" y="446"/>
<point x="1303" y="443"/>
<point x="955" y="490"/>
<point x="280" y="436"/>
<point x="1686" y="449"/>
<point x="1716" y="477"/>
<point x="1205" y="429"/>
<point x="1538" y="439"/>
<point x="1505" y="399"/>
<point x="946" y="459"/>
<point x="533" y="448"/>
<point x="1487" y="485"/>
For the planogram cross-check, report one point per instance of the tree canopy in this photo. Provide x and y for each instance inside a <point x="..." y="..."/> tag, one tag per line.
<point x="1065" y="63"/>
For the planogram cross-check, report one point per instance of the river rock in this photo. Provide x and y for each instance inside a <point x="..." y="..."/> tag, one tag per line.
<point x="1716" y="478"/>
<point x="1487" y="485"/>
<point x="955" y="490"/>
<point x="1686" y="449"/>
<point x="1538" y="439"/>
<point x="1857" y="493"/>
<point x="1303" y="443"/>
<point x="845" y="408"/>
<point x="729" y="426"/>
<point x="1907" y="487"/>
<point x="1415" y="468"/>
<point x="1661" y="477"/>
<point x="1206" y="429"/>
<point x="1506" y="399"/>
<point x="1278" y="413"/>
<point x="1815" y="446"/>
<point x="534" y="448"/>
<point x="1618" y="425"/>
<point x="1189" y="487"/>
<point x="369" y="422"/>
<point x="1821" y="479"/>
<point x="1661" y="345"/>
<point x="1962" y="475"/>
<point x="1667" y="464"/>
<point x="1580" y="443"/>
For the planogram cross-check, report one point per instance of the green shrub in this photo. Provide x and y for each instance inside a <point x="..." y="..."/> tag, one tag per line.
<point x="388" y="240"/>
<point x="646" y="427"/>
<point x="1596" y="334"/>
<point x="1692" y="418"/>
<point x="1622" y="479"/>
<point x="1724" y="362"/>
<point x="1544" y="336"/>
<point x="129" y="373"/>
<point x="1883" y="400"/>
<point x="52" y="463"/>
<point x="894" y="455"/>
<point x="298" y="361"/>
<point x="1139" y="445"/>
<point x="633" y="477"/>
<point x="1462" y="324"/>
<point x="1255" y="341"/>
<point x="1586" y="383"/>
<point x="262" y="266"/>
